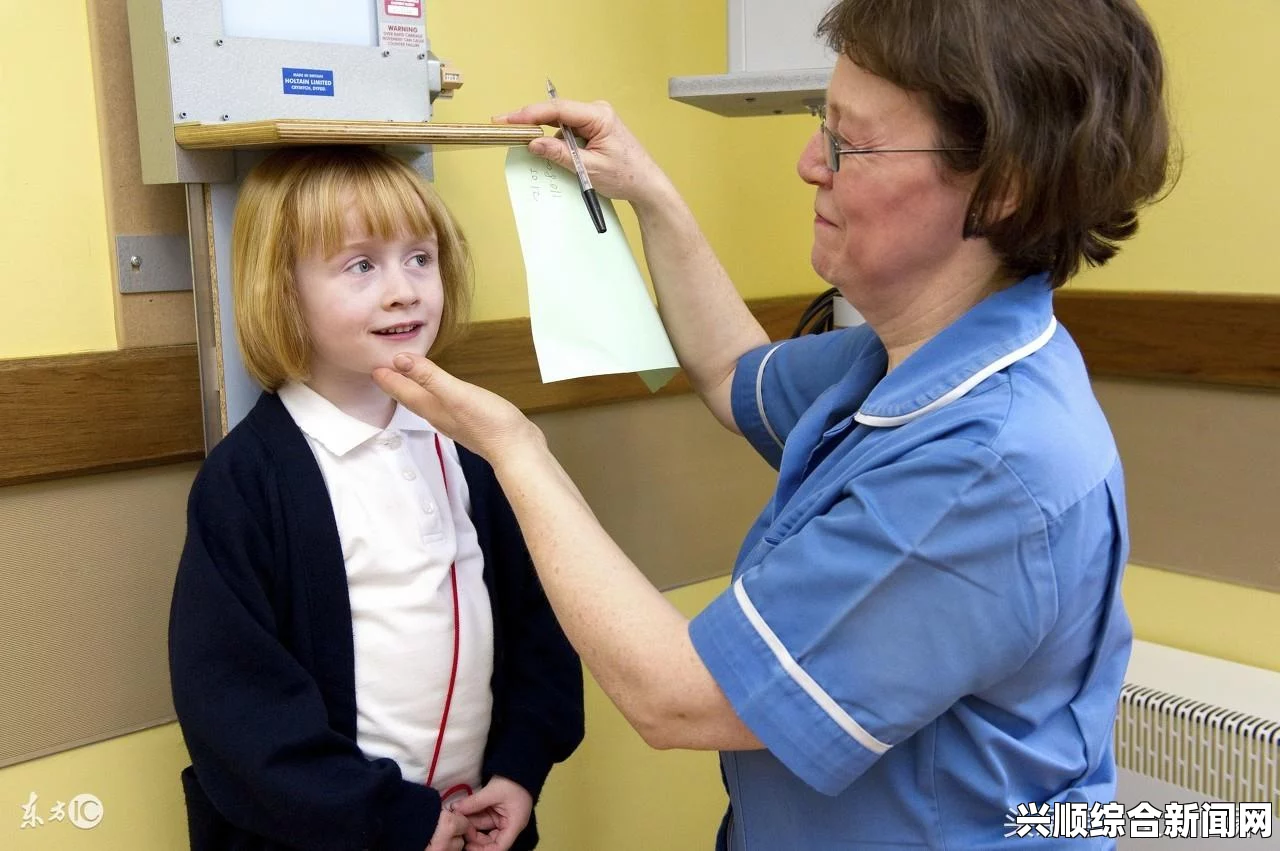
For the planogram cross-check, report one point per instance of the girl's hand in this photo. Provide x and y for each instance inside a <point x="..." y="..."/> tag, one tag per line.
<point x="484" y="422"/>
<point x="619" y="165"/>
<point x="498" y="812"/>
<point x="450" y="833"/>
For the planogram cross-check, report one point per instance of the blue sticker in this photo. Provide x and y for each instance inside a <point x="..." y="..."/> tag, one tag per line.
<point x="308" y="81"/>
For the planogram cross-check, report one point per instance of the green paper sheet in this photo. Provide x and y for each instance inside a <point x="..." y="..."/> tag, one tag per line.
<point x="588" y="306"/>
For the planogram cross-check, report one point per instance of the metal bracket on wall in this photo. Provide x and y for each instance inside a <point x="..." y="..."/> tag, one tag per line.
<point x="153" y="264"/>
<point x="750" y="93"/>
<point x="419" y="157"/>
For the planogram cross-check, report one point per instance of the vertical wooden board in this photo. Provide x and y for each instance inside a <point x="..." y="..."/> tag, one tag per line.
<point x="133" y="208"/>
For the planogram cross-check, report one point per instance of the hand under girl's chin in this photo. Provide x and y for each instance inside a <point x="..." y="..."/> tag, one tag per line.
<point x="388" y="362"/>
<point x="417" y="346"/>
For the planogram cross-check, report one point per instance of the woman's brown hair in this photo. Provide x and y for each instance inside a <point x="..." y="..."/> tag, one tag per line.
<point x="294" y="204"/>
<point x="1062" y="102"/>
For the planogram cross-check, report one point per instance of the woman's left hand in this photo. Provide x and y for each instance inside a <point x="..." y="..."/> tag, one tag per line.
<point x="484" y="422"/>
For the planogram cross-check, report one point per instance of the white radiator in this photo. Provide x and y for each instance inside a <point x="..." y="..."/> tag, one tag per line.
<point x="1193" y="729"/>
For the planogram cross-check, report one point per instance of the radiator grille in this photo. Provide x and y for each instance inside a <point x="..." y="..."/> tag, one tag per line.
<point x="1227" y="755"/>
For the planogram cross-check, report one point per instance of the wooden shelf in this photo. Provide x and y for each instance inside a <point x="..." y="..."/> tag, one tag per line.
<point x="266" y="134"/>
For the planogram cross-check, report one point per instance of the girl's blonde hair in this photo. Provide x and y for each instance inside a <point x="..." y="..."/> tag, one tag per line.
<point x="294" y="204"/>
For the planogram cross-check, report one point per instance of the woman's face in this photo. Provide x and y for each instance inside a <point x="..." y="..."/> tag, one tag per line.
<point x="883" y="219"/>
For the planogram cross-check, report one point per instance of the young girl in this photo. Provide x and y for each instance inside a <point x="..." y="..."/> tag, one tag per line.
<point x="360" y="651"/>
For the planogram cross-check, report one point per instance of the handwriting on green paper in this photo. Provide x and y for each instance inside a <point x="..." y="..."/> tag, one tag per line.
<point x="589" y="308"/>
<point x="544" y="177"/>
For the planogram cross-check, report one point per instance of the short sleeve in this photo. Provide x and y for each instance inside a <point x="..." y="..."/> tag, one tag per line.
<point x="775" y="384"/>
<point x="926" y="581"/>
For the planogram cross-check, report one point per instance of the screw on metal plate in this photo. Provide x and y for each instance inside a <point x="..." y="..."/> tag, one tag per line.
<point x="156" y="263"/>
<point x="182" y="116"/>
<point x="177" y="39"/>
<point x="226" y="117"/>
<point x="219" y="42"/>
<point x="422" y="56"/>
<point x="386" y="53"/>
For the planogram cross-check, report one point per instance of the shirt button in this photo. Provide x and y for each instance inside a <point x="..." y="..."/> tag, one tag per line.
<point x="429" y="507"/>
<point x="394" y="443"/>
<point x="408" y="475"/>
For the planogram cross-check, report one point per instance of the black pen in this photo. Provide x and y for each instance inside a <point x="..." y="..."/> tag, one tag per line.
<point x="588" y="192"/>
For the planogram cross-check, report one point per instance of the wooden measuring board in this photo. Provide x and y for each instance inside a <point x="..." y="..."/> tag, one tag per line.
<point x="196" y="136"/>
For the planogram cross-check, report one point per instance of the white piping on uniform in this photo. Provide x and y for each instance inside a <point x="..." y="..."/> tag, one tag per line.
<point x="764" y="418"/>
<point x="837" y="714"/>
<point x="966" y="385"/>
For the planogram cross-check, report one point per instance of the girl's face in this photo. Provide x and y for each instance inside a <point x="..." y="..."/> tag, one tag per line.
<point x="369" y="301"/>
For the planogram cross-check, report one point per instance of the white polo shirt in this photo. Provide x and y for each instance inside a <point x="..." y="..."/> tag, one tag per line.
<point x="400" y="532"/>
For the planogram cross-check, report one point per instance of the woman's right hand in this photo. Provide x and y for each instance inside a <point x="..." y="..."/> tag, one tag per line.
<point x="480" y="420"/>
<point x="451" y="831"/>
<point x="619" y="165"/>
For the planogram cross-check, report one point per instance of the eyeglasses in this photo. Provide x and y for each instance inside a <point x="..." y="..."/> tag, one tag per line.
<point x="835" y="150"/>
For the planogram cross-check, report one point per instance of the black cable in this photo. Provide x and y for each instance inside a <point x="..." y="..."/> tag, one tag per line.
<point x="821" y="320"/>
<point x="824" y="319"/>
<point x="818" y="316"/>
<point x="818" y="304"/>
<point x="810" y="313"/>
<point x="809" y="322"/>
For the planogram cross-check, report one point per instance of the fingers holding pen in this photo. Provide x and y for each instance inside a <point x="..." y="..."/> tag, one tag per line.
<point x="618" y="164"/>
<point x="556" y="149"/>
<point x="596" y="123"/>
<point x="589" y="119"/>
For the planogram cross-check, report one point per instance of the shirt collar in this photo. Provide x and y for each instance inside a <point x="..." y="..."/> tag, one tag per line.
<point x="334" y="429"/>
<point x="1002" y="329"/>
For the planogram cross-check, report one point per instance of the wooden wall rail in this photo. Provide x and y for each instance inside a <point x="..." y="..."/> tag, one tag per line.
<point x="77" y="414"/>
<point x="1211" y="339"/>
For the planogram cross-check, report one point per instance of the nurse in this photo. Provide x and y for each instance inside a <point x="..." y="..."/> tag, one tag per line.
<point x="924" y="627"/>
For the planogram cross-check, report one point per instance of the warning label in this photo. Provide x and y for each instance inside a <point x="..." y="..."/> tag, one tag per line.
<point x="403" y="35"/>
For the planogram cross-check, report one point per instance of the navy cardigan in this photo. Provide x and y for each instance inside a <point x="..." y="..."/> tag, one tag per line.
<point x="262" y="660"/>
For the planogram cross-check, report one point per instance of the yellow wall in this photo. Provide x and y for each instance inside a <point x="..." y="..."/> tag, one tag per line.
<point x="615" y="793"/>
<point x="1215" y="232"/>
<point x="55" y="293"/>
<point x="1202" y="616"/>
<point x="1212" y="234"/>
<point x="737" y="174"/>
<point x="739" y="177"/>
<point x="135" y="777"/>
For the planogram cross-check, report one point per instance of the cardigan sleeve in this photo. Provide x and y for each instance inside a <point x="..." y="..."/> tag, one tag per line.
<point x="538" y="715"/>
<point x="261" y="743"/>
